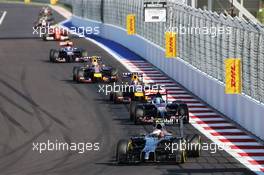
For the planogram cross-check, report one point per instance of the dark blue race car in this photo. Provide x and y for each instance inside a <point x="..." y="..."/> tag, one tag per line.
<point x="67" y="53"/>
<point x="158" y="109"/>
<point x="94" y="71"/>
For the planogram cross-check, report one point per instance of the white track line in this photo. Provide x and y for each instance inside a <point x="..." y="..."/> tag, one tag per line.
<point x="3" y="17"/>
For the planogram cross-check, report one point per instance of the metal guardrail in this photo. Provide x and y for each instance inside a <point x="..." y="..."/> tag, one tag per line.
<point x="245" y="39"/>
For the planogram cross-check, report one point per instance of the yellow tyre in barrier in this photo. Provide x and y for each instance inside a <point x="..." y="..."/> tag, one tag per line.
<point x="53" y="2"/>
<point x="27" y="1"/>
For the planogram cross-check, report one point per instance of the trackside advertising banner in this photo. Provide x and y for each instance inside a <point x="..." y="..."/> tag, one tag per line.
<point x="171" y="46"/>
<point x="131" y="24"/>
<point x="233" y="76"/>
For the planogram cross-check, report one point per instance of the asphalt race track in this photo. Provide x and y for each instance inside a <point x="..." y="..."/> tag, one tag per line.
<point x="40" y="102"/>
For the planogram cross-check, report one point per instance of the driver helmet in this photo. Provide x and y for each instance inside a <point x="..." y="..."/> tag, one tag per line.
<point x="157" y="100"/>
<point x="134" y="79"/>
<point x="159" y="130"/>
<point x="135" y="82"/>
<point x="159" y="126"/>
<point x="94" y="63"/>
<point x="69" y="43"/>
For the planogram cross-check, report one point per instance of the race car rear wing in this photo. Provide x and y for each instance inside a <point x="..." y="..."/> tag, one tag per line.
<point x="95" y="57"/>
<point x="154" y="90"/>
<point x="129" y="74"/>
<point x="66" y="43"/>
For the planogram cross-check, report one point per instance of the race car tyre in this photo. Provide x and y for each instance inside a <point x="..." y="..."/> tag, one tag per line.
<point x="132" y="108"/>
<point x="111" y="96"/>
<point x="121" y="151"/>
<point x="74" y="72"/>
<point x="183" y="111"/>
<point x="139" y="113"/>
<point x="114" y="72"/>
<point x="69" y="59"/>
<point x="180" y="150"/>
<point x="51" y="19"/>
<point x="44" y="37"/>
<point x="55" y="55"/>
<point x="84" y="53"/>
<point x="80" y="73"/>
<point x="194" y="145"/>
<point x="116" y="95"/>
<point x="51" y="55"/>
<point x="183" y="156"/>
<point x="35" y="25"/>
<point x="172" y="109"/>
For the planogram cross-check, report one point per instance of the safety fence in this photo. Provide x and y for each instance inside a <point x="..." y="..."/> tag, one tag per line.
<point x="205" y="39"/>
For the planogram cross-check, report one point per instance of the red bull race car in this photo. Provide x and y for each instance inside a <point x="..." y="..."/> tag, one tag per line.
<point x="134" y="90"/>
<point x="94" y="71"/>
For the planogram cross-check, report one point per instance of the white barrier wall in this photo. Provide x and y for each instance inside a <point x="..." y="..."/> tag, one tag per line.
<point x="243" y="110"/>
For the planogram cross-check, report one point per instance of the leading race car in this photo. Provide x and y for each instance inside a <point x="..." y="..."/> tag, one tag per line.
<point x="45" y="11"/>
<point x="45" y="18"/>
<point x="55" y="33"/>
<point x="158" y="146"/>
<point x="67" y="53"/>
<point x="157" y="108"/>
<point x="94" y="71"/>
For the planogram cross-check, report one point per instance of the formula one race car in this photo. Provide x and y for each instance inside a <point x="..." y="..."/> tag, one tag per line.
<point x="133" y="91"/>
<point x="158" y="146"/>
<point x="55" y="34"/>
<point x="45" y="11"/>
<point x="44" y="22"/>
<point x="95" y="71"/>
<point x="158" y="109"/>
<point x="45" y="18"/>
<point x="67" y="53"/>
